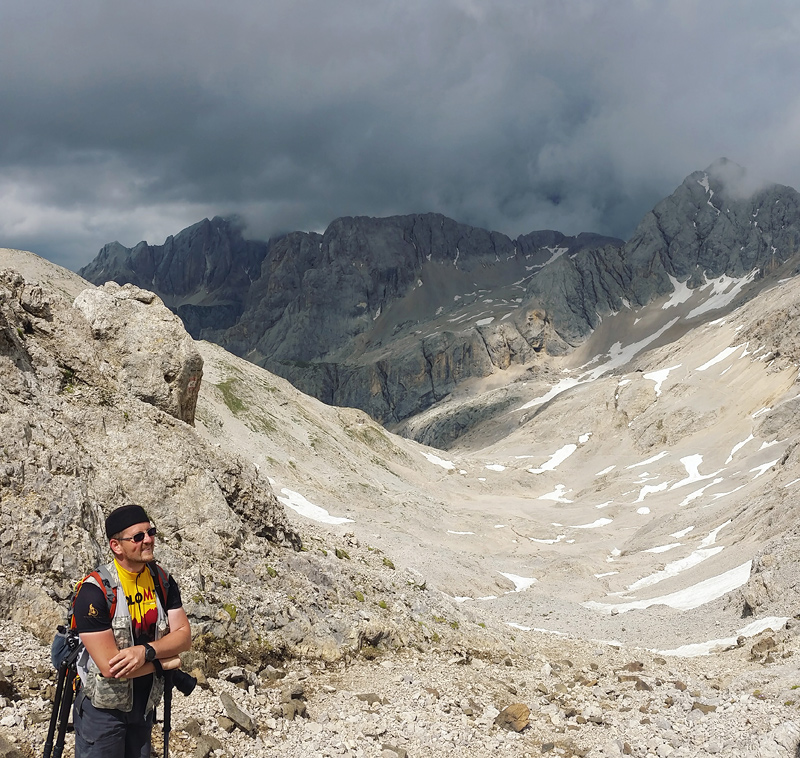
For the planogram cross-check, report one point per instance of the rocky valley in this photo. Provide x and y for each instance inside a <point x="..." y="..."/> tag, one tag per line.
<point x="558" y="518"/>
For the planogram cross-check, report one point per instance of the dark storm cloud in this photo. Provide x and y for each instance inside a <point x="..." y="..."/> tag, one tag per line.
<point x="131" y="121"/>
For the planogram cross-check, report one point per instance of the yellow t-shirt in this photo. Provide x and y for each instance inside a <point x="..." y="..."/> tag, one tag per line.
<point x="140" y="594"/>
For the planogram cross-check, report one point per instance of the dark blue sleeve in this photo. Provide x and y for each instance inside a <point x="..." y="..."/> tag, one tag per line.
<point x="91" y="609"/>
<point x="174" y="599"/>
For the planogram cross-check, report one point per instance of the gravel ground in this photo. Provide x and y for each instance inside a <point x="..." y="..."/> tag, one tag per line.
<point x="583" y="700"/>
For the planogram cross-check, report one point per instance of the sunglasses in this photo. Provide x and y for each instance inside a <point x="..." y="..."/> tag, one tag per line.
<point x="139" y="536"/>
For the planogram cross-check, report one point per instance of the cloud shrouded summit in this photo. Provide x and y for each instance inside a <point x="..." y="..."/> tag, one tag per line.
<point x="131" y="122"/>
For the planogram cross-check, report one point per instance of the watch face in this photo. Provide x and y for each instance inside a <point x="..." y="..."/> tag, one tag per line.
<point x="149" y="653"/>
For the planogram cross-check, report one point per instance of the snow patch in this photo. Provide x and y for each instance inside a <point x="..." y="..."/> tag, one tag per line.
<point x="556" y="495"/>
<point x="435" y="459"/>
<point x="647" y="462"/>
<point x="692" y="463"/>
<point x="737" y="447"/>
<point x="521" y="583"/>
<point x="549" y="542"/>
<point x="686" y="599"/>
<point x="680" y="294"/>
<point x="556" y="459"/>
<point x="723" y="291"/>
<point x="659" y="377"/>
<point x="649" y="489"/>
<point x="662" y="548"/>
<point x="719" y="357"/>
<point x="299" y="504"/>
<point x="595" y="524"/>
<point x="774" y="623"/>
<point x="763" y="468"/>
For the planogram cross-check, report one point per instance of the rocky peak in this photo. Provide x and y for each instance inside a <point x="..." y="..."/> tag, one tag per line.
<point x="208" y="264"/>
<point x="717" y="222"/>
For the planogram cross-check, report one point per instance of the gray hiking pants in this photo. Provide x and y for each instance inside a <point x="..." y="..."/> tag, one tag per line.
<point x="106" y="733"/>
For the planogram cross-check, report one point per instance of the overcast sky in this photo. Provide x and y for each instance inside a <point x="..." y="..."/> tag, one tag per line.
<point x="131" y="120"/>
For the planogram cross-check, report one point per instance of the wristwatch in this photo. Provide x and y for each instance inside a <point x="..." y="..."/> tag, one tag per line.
<point x="149" y="653"/>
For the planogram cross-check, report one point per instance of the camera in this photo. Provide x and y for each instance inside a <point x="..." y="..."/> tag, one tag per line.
<point x="184" y="683"/>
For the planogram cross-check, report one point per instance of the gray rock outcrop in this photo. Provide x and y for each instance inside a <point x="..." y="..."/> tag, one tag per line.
<point x="90" y="422"/>
<point x="146" y="345"/>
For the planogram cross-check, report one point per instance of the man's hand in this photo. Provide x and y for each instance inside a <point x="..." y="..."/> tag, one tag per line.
<point x="124" y="663"/>
<point x="171" y="664"/>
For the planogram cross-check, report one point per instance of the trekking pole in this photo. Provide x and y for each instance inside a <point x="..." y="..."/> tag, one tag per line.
<point x="66" y="704"/>
<point x="62" y="675"/>
<point x="167" y="710"/>
<point x="185" y="684"/>
<point x="60" y="714"/>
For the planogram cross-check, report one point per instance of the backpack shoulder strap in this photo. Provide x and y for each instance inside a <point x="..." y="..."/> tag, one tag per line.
<point x="104" y="577"/>
<point x="109" y="581"/>
<point x="161" y="580"/>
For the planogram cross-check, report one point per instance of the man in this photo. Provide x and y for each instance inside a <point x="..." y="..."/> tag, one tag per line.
<point x="126" y="653"/>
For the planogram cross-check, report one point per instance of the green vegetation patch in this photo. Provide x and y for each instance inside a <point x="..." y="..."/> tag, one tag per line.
<point x="230" y="609"/>
<point x="231" y="399"/>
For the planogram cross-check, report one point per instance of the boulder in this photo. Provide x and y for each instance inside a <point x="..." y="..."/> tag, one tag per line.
<point x="146" y="346"/>
<point x="514" y="717"/>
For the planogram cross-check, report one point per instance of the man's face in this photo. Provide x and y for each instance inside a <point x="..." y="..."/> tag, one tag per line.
<point x="137" y="552"/>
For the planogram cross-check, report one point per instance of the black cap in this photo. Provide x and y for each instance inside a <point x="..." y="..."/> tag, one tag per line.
<point x="123" y="517"/>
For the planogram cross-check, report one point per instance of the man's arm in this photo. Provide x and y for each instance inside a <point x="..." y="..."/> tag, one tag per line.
<point x="94" y="627"/>
<point x="102" y="647"/>
<point x="131" y="659"/>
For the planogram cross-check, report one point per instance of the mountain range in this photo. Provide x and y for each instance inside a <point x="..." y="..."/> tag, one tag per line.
<point x="393" y="315"/>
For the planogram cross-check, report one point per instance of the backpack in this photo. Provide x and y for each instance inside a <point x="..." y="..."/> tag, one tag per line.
<point x="66" y="639"/>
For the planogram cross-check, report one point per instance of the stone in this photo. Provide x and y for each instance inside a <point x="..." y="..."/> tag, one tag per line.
<point x="6" y="687"/>
<point x="292" y="692"/>
<point x="192" y="728"/>
<point x="514" y="717"/>
<point x="763" y="646"/>
<point x="8" y="749"/>
<point x="207" y="744"/>
<point x="234" y="674"/>
<point x="199" y="674"/>
<point x="292" y="709"/>
<point x="241" y="718"/>
<point x="271" y="674"/>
